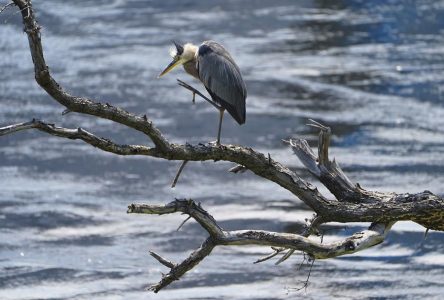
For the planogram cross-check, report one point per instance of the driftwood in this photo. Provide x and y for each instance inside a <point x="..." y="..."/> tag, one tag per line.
<point x="352" y="203"/>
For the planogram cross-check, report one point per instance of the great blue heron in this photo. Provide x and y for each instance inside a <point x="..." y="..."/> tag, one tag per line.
<point x="215" y="68"/>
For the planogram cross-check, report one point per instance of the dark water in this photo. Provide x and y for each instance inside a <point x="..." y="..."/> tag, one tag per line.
<point x="372" y="70"/>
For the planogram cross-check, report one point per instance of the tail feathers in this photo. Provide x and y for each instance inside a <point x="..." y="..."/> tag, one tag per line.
<point x="238" y="113"/>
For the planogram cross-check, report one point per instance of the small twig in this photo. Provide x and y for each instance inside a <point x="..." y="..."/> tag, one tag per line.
<point x="304" y="258"/>
<point x="79" y="134"/>
<point x="180" y="269"/>
<point x="421" y="244"/>
<point x="312" y="225"/>
<point x="285" y="256"/>
<point x="310" y="228"/>
<point x="306" y="282"/>
<point x="238" y="169"/>
<point x="6" y="6"/>
<point x="176" y="178"/>
<point x="183" y="223"/>
<point x="17" y="12"/>
<point x="162" y="260"/>
<point x="316" y="124"/>
<point x="324" y="141"/>
<point x="273" y="254"/>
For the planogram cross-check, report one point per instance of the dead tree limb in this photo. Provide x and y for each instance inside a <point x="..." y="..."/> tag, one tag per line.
<point x="359" y="241"/>
<point x="352" y="203"/>
<point x="423" y="208"/>
<point x="79" y="134"/>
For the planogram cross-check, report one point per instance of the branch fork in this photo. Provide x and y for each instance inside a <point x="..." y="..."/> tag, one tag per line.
<point x="278" y="241"/>
<point x="352" y="203"/>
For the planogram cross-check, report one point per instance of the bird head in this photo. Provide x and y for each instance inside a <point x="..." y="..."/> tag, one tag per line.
<point x="181" y="54"/>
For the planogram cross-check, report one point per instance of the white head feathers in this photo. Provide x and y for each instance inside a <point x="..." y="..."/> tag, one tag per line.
<point x="186" y="52"/>
<point x="189" y="51"/>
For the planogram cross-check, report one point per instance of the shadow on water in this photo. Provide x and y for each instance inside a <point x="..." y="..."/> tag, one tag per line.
<point x="53" y="275"/>
<point x="44" y="220"/>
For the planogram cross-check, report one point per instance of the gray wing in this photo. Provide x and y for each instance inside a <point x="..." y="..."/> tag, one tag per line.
<point x="222" y="78"/>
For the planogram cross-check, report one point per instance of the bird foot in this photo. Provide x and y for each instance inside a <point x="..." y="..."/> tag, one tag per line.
<point x="214" y="143"/>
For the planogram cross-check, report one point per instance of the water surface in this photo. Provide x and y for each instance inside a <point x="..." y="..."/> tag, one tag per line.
<point x="372" y="70"/>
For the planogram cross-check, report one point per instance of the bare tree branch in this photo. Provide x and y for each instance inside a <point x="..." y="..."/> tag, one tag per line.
<point x="311" y="228"/>
<point x="359" y="241"/>
<point x="73" y="103"/>
<point x="424" y="208"/>
<point x="162" y="260"/>
<point x="354" y="200"/>
<point x="179" y="171"/>
<point x="275" y="252"/>
<point x="352" y="203"/>
<point x="329" y="172"/>
<point x="252" y="160"/>
<point x="80" y="134"/>
<point x="179" y="270"/>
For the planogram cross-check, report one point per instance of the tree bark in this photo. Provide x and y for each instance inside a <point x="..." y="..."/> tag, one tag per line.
<point x="352" y="203"/>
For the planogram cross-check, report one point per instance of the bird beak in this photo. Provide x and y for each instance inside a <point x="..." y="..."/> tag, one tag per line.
<point x="172" y="65"/>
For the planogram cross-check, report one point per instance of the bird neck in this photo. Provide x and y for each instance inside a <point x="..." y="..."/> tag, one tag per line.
<point x="191" y="68"/>
<point x="189" y="51"/>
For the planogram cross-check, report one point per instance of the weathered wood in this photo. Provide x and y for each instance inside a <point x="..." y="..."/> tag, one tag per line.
<point x="352" y="203"/>
<point x="79" y="134"/>
<point x="359" y="241"/>
<point x="358" y="205"/>
<point x="252" y="160"/>
<point x="73" y="103"/>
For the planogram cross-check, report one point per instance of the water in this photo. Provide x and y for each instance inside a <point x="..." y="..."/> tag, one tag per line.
<point x="372" y="70"/>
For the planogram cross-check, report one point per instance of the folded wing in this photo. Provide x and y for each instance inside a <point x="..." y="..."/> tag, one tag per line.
<point x="222" y="78"/>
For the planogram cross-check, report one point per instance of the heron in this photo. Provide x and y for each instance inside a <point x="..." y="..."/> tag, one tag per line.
<point x="213" y="65"/>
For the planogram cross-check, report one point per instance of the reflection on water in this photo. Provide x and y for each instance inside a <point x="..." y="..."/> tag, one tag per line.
<point x="372" y="70"/>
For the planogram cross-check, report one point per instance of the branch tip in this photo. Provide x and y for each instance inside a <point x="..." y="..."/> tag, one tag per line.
<point x="238" y="169"/>
<point x="3" y="8"/>
<point x="285" y="256"/>
<point x="183" y="223"/>
<point x="162" y="260"/>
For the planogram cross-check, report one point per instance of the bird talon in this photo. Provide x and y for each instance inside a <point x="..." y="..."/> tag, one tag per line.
<point x="215" y="143"/>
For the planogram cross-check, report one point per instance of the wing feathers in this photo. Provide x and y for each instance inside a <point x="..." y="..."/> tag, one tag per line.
<point x="222" y="78"/>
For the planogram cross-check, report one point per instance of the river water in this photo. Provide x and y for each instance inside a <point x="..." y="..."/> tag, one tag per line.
<point x="372" y="70"/>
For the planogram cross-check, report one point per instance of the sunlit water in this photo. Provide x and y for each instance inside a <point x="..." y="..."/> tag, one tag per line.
<point x="372" y="70"/>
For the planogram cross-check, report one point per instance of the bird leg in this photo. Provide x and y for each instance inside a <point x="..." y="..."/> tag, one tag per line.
<point x="190" y="88"/>
<point x="194" y="91"/>
<point x="221" y="116"/>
